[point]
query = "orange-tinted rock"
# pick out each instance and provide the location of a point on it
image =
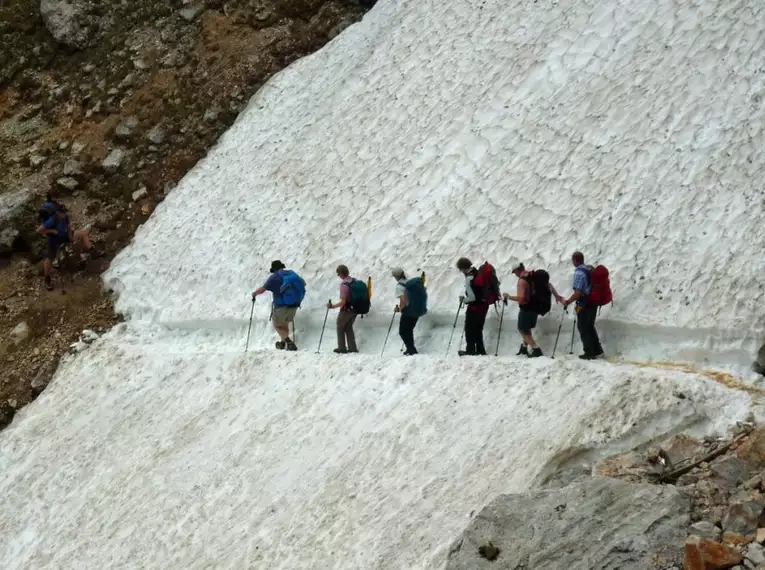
(704, 554)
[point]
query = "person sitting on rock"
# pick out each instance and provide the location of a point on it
(58, 230)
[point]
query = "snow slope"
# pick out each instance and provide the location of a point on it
(494, 129)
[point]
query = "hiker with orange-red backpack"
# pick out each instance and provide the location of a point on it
(481, 291)
(592, 290)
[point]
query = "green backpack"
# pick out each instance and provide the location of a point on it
(416, 298)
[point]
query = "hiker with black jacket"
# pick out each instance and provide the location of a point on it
(532, 295)
(475, 298)
(586, 312)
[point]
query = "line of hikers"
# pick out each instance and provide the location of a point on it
(534, 294)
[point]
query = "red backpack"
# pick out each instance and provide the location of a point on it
(600, 283)
(487, 284)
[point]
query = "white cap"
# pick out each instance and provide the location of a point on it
(397, 272)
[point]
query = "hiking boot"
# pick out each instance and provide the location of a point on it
(465, 353)
(589, 356)
(289, 345)
(535, 352)
(410, 353)
(280, 345)
(353, 351)
(523, 350)
(340, 351)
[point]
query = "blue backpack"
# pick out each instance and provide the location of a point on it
(416, 298)
(292, 291)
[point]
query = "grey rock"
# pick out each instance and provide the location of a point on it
(211, 115)
(730, 472)
(36, 160)
(140, 64)
(637, 526)
(156, 135)
(190, 13)
(67, 183)
(111, 163)
(705, 529)
(44, 375)
(129, 81)
(20, 333)
(72, 167)
(70, 22)
(63, 145)
(140, 193)
(8, 235)
(77, 148)
(89, 68)
(742, 518)
(755, 553)
(122, 132)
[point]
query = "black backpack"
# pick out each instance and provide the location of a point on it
(540, 296)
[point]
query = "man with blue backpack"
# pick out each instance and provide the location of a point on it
(354, 301)
(288, 290)
(412, 304)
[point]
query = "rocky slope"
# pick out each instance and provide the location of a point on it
(107, 105)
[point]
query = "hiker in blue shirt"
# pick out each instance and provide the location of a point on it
(58, 230)
(585, 312)
(288, 290)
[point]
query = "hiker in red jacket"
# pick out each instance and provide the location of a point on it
(477, 298)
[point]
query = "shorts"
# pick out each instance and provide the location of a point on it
(527, 320)
(53, 246)
(284, 315)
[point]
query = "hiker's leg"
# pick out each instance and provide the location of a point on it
(595, 346)
(586, 323)
(281, 322)
(342, 322)
(527, 320)
(528, 340)
(47, 265)
(82, 237)
(470, 331)
(480, 322)
(582, 328)
(351, 336)
(406, 330)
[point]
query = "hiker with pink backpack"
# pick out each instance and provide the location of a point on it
(592, 290)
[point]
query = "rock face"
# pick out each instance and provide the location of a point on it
(70, 22)
(759, 365)
(638, 526)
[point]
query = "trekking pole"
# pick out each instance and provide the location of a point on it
(499, 334)
(454, 326)
(573, 328)
(560, 326)
(388, 333)
(324, 325)
(252, 311)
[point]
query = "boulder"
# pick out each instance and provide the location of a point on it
(8, 236)
(20, 333)
(67, 182)
(112, 162)
(705, 554)
(71, 22)
(156, 135)
(72, 167)
(637, 526)
(753, 449)
(705, 529)
(741, 522)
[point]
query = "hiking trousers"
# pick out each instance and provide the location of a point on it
(585, 322)
(406, 332)
(345, 320)
(474, 321)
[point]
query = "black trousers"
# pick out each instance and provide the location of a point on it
(474, 321)
(585, 322)
(406, 332)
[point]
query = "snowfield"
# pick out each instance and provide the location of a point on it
(493, 129)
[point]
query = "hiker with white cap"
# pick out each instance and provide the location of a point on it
(533, 297)
(412, 304)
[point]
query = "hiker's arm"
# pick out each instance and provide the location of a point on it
(573, 298)
(43, 231)
(258, 291)
(558, 298)
(339, 305)
(520, 296)
(401, 302)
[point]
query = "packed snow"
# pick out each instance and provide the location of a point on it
(431, 130)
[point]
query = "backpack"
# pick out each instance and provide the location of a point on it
(487, 285)
(292, 291)
(600, 286)
(358, 297)
(540, 296)
(416, 298)
(46, 211)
